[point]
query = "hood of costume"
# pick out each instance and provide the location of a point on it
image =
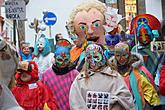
(45, 43)
(30, 68)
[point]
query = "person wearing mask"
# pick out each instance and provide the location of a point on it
(99, 86)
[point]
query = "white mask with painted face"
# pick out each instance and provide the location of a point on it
(41, 44)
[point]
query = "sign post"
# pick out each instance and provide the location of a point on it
(49, 19)
(15, 10)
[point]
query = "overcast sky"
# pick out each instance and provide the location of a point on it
(62, 9)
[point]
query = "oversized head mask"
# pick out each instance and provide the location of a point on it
(87, 21)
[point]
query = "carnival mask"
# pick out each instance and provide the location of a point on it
(94, 56)
(62, 57)
(144, 37)
(122, 53)
(112, 40)
(112, 18)
(89, 25)
(143, 25)
(41, 44)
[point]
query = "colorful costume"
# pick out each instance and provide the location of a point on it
(32, 95)
(162, 83)
(145, 27)
(44, 57)
(138, 79)
(60, 76)
(98, 86)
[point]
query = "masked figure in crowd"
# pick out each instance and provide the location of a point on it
(25, 53)
(30, 93)
(98, 86)
(162, 82)
(43, 56)
(146, 26)
(138, 79)
(60, 76)
(111, 39)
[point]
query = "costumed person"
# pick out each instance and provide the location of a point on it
(58, 37)
(60, 76)
(8, 64)
(98, 86)
(30, 93)
(43, 55)
(86, 25)
(145, 27)
(138, 79)
(25, 53)
(111, 39)
(162, 82)
(113, 29)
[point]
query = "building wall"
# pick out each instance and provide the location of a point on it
(1, 18)
(141, 7)
(154, 7)
(102, 1)
(163, 9)
(1, 24)
(121, 8)
(7, 26)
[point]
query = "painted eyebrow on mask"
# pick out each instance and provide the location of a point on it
(82, 23)
(95, 21)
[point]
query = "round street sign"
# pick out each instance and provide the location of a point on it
(49, 18)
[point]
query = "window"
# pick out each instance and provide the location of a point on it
(130, 11)
(112, 3)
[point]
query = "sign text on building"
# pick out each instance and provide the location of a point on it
(15, 9)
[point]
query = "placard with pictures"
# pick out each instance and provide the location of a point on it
(98, 100)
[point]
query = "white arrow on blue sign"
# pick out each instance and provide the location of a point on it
(49, 18)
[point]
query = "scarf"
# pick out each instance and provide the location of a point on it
(62, 71)
(26, 58)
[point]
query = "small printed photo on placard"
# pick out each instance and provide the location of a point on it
(98, 100)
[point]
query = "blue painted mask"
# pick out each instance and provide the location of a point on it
(62, 56)
(112, 40)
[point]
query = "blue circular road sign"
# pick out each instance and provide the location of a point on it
(49, 18)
